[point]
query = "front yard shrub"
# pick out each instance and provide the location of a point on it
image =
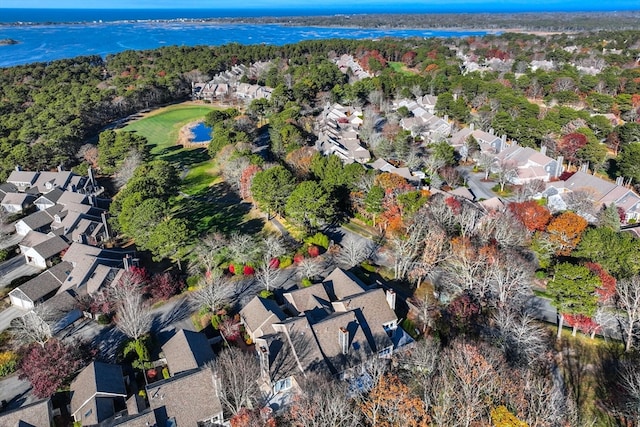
(8, 363)
(367, 267)
(313, 251)
(306, 282)
(165, 373)
(232, 269)
(274, 263)
(247, 270)
(103, 319)
(266, 294)
(285, 261)
(4, 254)
(318, 239)
(297, 258)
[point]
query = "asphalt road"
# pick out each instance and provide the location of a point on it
(481, 189)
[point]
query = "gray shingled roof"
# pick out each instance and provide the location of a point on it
(95, 381)
(188, 397)
(46, 282)
(36, 414)
(51, 247)
(309, 298)
(341, 284)
(261, 313)
(187, 350)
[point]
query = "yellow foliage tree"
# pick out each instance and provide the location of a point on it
(565, 232)
(501, 417)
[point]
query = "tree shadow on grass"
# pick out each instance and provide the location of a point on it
(185, 157)
(219, 208)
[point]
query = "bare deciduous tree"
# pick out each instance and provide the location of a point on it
(506, 171)
(273, 246)
(485, 161)
(127, 168)
(310, 268)
(629, 374)
(266, 275)
(581, 202)
(34, 326)
(529, 189)
(133, 317)
(323, 402)
(521, 338)
(237, 372)
(628, 301)
(353, 251)
(213, 293)
(241, 247)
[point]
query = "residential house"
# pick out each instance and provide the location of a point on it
(384, 166)
(334, 327)
(17, 202)
(489, 143)
(22, 180)
(186, 399)
(38, 221)
(62, 310)
(346, 63)
(338, 134)
(428, 102)
(531, 164)
(422, 122)
(600, 191)
(97, 393)
(259, 315)
(48, 200)
(186, 351)
(48, 181)
(41, 287)
(41, 254)
(36, 414)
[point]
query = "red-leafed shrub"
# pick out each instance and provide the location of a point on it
(232, 269)
(313, 251)
(274, 263)
(247, 270)
(163, 286)
(298, 258)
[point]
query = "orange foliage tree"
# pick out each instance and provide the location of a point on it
(391, 404)
(533, 216)
(246, 179)
(565, 232)
(392, 182)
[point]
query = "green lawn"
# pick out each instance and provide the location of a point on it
(161, 128)
(209, 202)
(399, 67)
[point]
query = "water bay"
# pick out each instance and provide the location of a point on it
(43, 43)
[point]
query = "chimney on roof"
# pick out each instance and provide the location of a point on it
(107, 233)
(91, 178)
(472, 126)
(490, 131)
(543, 150)
(18, 168)
(559, 166)
(620, 181)
(125, 262)
(343, 339)
(391, 299)
(59, 168)
(263, 355)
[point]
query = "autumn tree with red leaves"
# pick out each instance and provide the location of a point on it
(51, 366)
(569, 145)
(532, 215)
(246, 179)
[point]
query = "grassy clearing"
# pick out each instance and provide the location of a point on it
(399, 67)
(199, 178)
(162, 126)
(209, 203)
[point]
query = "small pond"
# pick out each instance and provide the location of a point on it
(201, 133)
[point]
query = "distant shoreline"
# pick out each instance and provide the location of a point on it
(543, 23)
